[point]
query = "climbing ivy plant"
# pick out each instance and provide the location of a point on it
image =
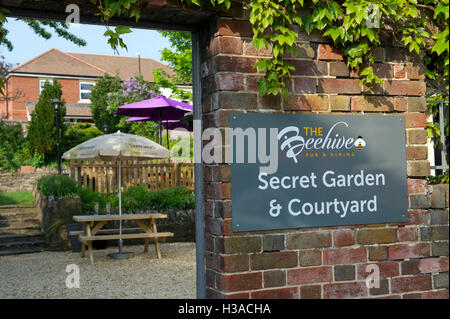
(354, 26)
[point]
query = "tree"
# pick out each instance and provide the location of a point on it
(105, 86)
(42, 129)
(180, 59)
(7, 94)
(78, 133)
(41, 27)
(133, 90)
(12, 151)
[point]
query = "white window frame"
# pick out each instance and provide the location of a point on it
(42, 86)
(84, 91)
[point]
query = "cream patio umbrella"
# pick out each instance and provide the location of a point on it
(118, 146)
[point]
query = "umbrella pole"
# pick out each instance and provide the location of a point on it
(160, 127)
(120, 254)
(167, 132)
(120, 205)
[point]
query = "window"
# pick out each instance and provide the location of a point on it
(85, 90)
(41, 85)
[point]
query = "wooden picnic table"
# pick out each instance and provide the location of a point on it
(92, 230)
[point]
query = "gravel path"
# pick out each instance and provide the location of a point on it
(43, 275)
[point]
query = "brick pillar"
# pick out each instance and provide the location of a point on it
(326, 262)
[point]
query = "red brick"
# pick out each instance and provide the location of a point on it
(251, 82)
(417, 104)
(417, 186)
(232, 100)
(415, 120)
(27, 169)
(305, 85)
(340, 102)
(240, 64)
(328, 52)
(250, 49)
(270, 102)
(400, 87)
(387, 269)
(372, 103)
(338, 69)
(309, 275)
(399, 71)
(308, 67)
(410, 284)
(408, 234)
(416, 152)
(233, 263)
(415, 72)
(410, 267)
(311, 292)
(218, 190)
(418, 217)
(239, 295)
(401, 104)
(214, 226)
(377, 236)
(306, 103)
(230, 45)
(238, 245)
(274, 278)
(344, 256)
(235, 28)
(343, 238)
(418, 168)
(417, 136)
(430, 265)
(347, 86)
(303, 240)
(403, 251)
(239, 282)
(230, 82)
(280, 293)
(344, 290)
(440, 294)
(378, 253)
(311, 257)
(271, 260)
(383, 70)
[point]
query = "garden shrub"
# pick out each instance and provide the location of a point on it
(13, 150)
(58, 186)
(178, 197)
(78, 133)
(89, 198)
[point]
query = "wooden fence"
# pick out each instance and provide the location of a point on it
(103, 176)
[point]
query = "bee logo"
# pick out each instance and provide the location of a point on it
(360, 143)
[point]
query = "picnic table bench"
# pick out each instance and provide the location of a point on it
(92, 230)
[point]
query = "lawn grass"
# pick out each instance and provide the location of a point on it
(16, 198)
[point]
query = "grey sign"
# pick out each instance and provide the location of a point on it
(317, 170)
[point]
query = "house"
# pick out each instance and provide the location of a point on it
(76, 72)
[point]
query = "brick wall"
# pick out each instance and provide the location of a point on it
(327, 262)
(29, 92)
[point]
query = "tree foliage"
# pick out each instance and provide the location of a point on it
(78, 133)
(133, 90)
(12, 152)
(42, 129)
(42, 28)
(179, 57)
(99, 103)
(418, 24)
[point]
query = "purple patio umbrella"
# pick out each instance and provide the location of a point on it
(158, 108)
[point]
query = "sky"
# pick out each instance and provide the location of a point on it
(27, 44)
